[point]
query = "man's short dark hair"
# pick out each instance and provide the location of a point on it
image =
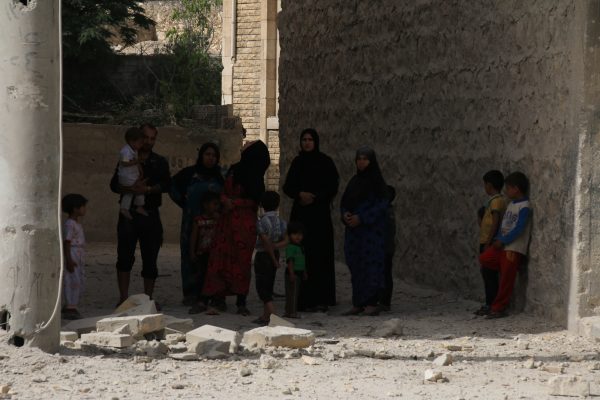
(72, 201)
(148, 125)
(295, 227)
(494, 178)
(210, 196)
(270, 200)
(518, 180)
(132, 134)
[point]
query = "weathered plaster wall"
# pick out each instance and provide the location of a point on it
(444, 92)
(90, 156)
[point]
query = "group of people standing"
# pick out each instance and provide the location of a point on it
(219, 225)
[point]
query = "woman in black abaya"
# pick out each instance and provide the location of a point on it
(312, 182)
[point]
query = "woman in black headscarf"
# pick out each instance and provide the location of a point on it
(364, 206)
(189, 185)
(230, 259)
(312, 182)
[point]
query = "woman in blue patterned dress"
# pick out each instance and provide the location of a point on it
(189, 185)
(363, 207)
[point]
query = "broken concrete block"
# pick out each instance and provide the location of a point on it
(138, 324)
(278, 321)
(107, 339)
(205, 346)
(84, 325)
(279, 336)
(573, 386)
(443, 360)
(123, 329)
(132, 301)
(392, 327)
(178, 325)
(68, 335)
(212, 337)
(142, 309)
(432, 375)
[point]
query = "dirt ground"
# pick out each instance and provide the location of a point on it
(511, 358)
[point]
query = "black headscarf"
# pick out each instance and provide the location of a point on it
(312, 171)
(202, 170)
(183, 178)
(365, 184)
(249, 172)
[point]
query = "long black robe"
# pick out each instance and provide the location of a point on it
(316, 173)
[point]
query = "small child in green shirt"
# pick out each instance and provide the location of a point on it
(296, 268)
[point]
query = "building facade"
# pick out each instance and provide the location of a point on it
(250, 53)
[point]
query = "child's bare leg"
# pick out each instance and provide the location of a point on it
(125, 212)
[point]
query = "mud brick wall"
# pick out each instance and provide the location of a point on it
(444, 91)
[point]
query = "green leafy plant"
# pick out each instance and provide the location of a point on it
(193, 75)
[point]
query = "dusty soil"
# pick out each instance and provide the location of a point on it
(511, 358)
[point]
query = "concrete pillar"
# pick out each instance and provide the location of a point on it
(30, 154)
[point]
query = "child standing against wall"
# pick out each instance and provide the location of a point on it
(509, 248)
(489, 222)
(296, 268)
(203, 232)
(74, 253)
(271, 237)
(129, 171)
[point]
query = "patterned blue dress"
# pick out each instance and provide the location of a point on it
(365, 252)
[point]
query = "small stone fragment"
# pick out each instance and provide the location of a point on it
(529, 364)
(594, 367)
(184, 356)
(244, 371)
(443, 360)
(431, 375)
(553, 369)
(453, 347)
(152, 349)
(178, 348)
(392, 327)
(523, 344)
(178, 386)
(310, 360)
(268, 362)
(287, 391)
(4, 389)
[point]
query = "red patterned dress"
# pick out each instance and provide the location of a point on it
(229, 266)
